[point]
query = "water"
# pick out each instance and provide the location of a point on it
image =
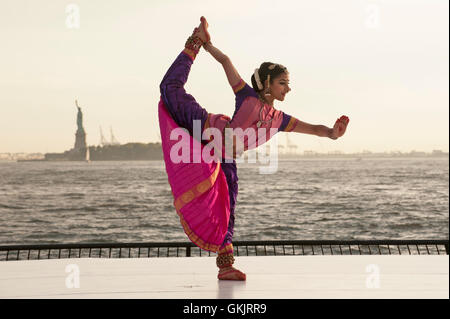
(384, 198)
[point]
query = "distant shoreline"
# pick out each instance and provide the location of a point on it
(153, 151)
(356, 157)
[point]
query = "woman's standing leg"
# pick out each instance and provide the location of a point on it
(225, 258)
(230, 171)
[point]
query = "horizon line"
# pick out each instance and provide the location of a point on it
(333, 152)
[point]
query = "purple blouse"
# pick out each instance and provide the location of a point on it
(247, 115)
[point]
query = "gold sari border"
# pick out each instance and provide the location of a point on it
(187, 197)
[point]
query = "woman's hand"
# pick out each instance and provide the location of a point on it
(339, 127)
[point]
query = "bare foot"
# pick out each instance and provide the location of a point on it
(202, 32)
(231, 273)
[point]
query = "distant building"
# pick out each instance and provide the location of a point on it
(107, 151)
(416, 153)
(335, 153)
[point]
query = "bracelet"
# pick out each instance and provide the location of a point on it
(193, 43)
(331, 135)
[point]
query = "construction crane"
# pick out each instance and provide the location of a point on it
(114, 141)
(291, 147)
(104, 141)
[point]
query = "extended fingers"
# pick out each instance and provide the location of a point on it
(344, 119)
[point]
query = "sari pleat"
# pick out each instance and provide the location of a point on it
(200, 190)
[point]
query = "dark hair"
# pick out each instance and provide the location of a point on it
(264, 70)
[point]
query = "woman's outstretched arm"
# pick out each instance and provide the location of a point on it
(318, 130)
(337, 131)
(232, 74)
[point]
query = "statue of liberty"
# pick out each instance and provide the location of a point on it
(79, 117)
(80, 135)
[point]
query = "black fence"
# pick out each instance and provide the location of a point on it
(241, 248)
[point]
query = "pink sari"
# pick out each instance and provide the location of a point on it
(200, 190)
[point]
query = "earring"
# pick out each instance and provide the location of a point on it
(267, 93)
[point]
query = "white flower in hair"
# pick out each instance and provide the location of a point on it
(273, 66)
(258, 80)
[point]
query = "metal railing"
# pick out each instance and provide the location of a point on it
(241, 248)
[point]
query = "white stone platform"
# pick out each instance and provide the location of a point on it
(271, 277)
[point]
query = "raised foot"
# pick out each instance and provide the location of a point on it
(231, 273)
(202, 30)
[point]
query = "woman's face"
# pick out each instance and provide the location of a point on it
(280, 86)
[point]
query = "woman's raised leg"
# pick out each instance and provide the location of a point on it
(182, 106)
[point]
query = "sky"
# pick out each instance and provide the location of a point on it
(384, 64)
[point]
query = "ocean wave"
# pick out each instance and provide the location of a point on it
(409, 226)
(73, 195)
(11, 206)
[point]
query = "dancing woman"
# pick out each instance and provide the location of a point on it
(205, 192)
